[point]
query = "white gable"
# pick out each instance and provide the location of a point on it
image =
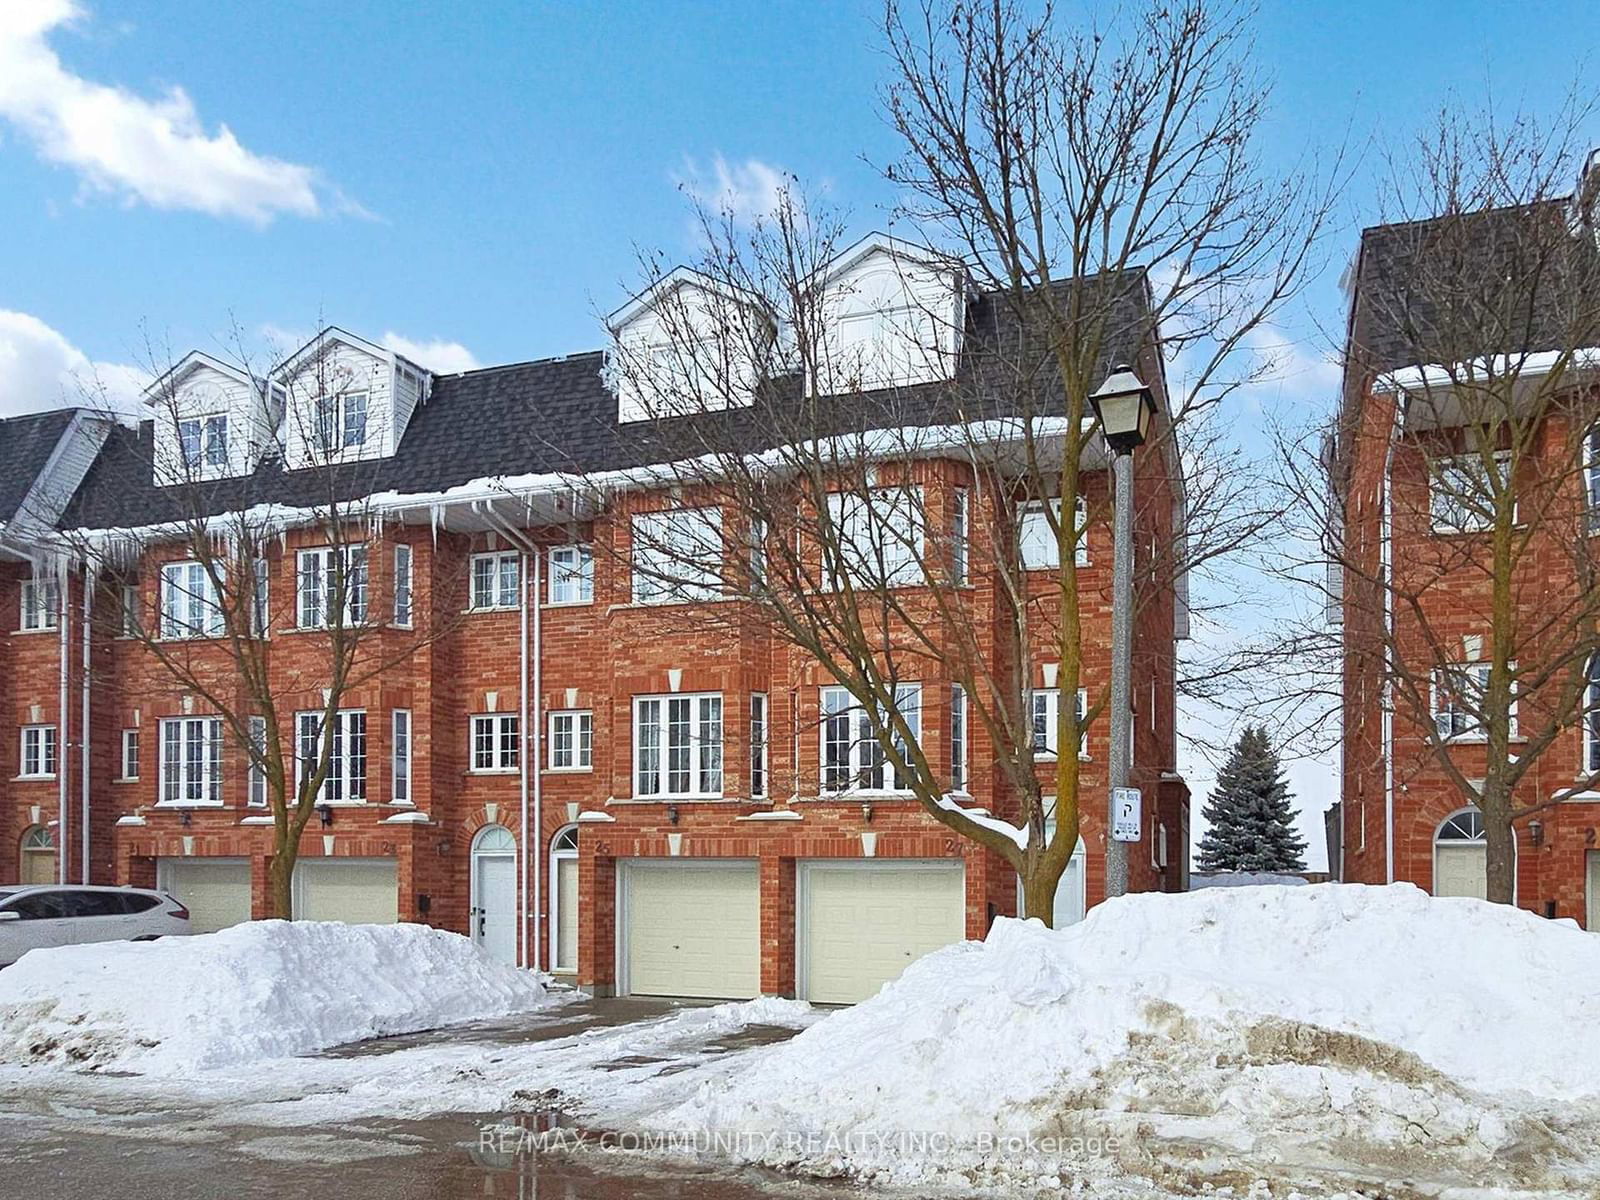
(212, 420)
(892, 315)
(346, 399)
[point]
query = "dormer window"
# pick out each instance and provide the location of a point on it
(341, 422)
(345, 399)
(203, 441)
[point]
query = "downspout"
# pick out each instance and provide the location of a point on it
(535, 730)
(1386, 547)
(62, 613)
(523, 759)
(83, 782)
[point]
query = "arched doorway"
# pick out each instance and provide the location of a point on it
(564, 901)
(38, 857)
(1461, 856)
(494, 893)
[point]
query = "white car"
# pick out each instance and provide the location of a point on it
(70, 914)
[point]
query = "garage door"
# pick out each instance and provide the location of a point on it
(861, 924)
(1592, 913)
(360, 891)
(691, 929)
(1461, 870)
(216, 891)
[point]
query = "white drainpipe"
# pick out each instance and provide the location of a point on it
(62, 612)
(83, 735)
(1386, 546)
(534, 832)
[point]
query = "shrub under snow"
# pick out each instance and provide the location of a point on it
(261, 990)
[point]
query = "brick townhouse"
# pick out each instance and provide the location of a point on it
(495, 782)
(1401, 456)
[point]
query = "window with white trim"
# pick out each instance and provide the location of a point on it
(402, 585)
(346, 780)
(1591, 474)
(261, 612)
(38, 752)
(255, 776)
(571, 574)
(191, 760)
(128, 761)
(1040, 551)
(400, 744)
(572, 740)
(758, 550)
(1046, 714)
(323, 576)
(41, 602)
(496, 580)
(1459, 695)
(677, 555)
(128, 621)
(960, 540)
(852, 758)
(189, 604)
(677, 746)
(958, 738)
(495, 742)
(880, 535)
(1461, 491)
(203, 442)
(758, 745)
(340, 423)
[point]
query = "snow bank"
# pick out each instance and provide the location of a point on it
(1177, 1038)
(265, 989)
(1215, 879)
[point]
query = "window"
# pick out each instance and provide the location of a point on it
(496, 580)
(129, 765)
(41, 601)
(341, 422)
(203, 441)
(38, 752)
(346, 781)
(402, 585)
(1591, 474)
(322, 576)
(758, 550)
(571, 741)
(260, 602)
(852, 758)
(255, 777)
(677, 745)
(879, 534)
(1461, 492)
(400, 723)
(191, 760)
(1459, 698)
(494, 742)
(571, 575)
(1040, 551)
(958, 738)
(677, 556)
(128, 624)
(1046, 714)
(189, 607)
(960, 540)
(758, 744)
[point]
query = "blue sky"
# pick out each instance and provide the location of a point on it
(473, 181)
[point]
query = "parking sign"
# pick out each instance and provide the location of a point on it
(1126, 808)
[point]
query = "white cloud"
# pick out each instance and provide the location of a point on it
(745, 191)
(444, 357)
(40, 369)
(155, 151)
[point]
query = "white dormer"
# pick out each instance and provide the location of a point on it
(212, 420)
(688, 344)
(892, 315)
(345, 399)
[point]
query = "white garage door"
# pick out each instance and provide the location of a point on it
(861, 924)
(1592, 911)
(1461, 870)
(216, 891)
(360, 891)
(691, 929)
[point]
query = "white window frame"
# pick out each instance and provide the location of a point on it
(261, 616)
(667, 749)
(190, 607)
(400, 757)
(881, 535)
(192, 778)
(502, 594)
(571, 739)
(348, 776)
(846, 730)
(1037, 549)
(254, 777)
(1460, 720)
(961, 540)
(959, 735)
(1446, 513)
(40, 604)
(503, 745)
(314, 585)
(330, 424)
(38, 743)
(760, 746)
(128, 623)
(205, 458)
(1044, 716)
(662, 542)
(404, 581)
(571, 572)
(1591, 476)
(128, 757)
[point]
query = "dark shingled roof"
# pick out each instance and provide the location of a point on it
(558, 415)
(26, 444)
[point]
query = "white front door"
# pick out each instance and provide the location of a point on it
(1461, 869)
(494, 925)
(1071, 894)
(566, 958)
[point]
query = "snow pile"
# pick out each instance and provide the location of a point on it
(1316, 1032)
(265, 989)
(1215, 879)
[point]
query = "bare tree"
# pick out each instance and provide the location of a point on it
(1455, 493)
(192, 587)
(1100, 188)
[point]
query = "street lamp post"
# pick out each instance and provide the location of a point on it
(1124, 406)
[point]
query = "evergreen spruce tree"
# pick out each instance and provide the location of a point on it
(1251, 822)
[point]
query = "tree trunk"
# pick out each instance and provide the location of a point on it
(1039, 894)
(1501, 858)
(280, 878)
